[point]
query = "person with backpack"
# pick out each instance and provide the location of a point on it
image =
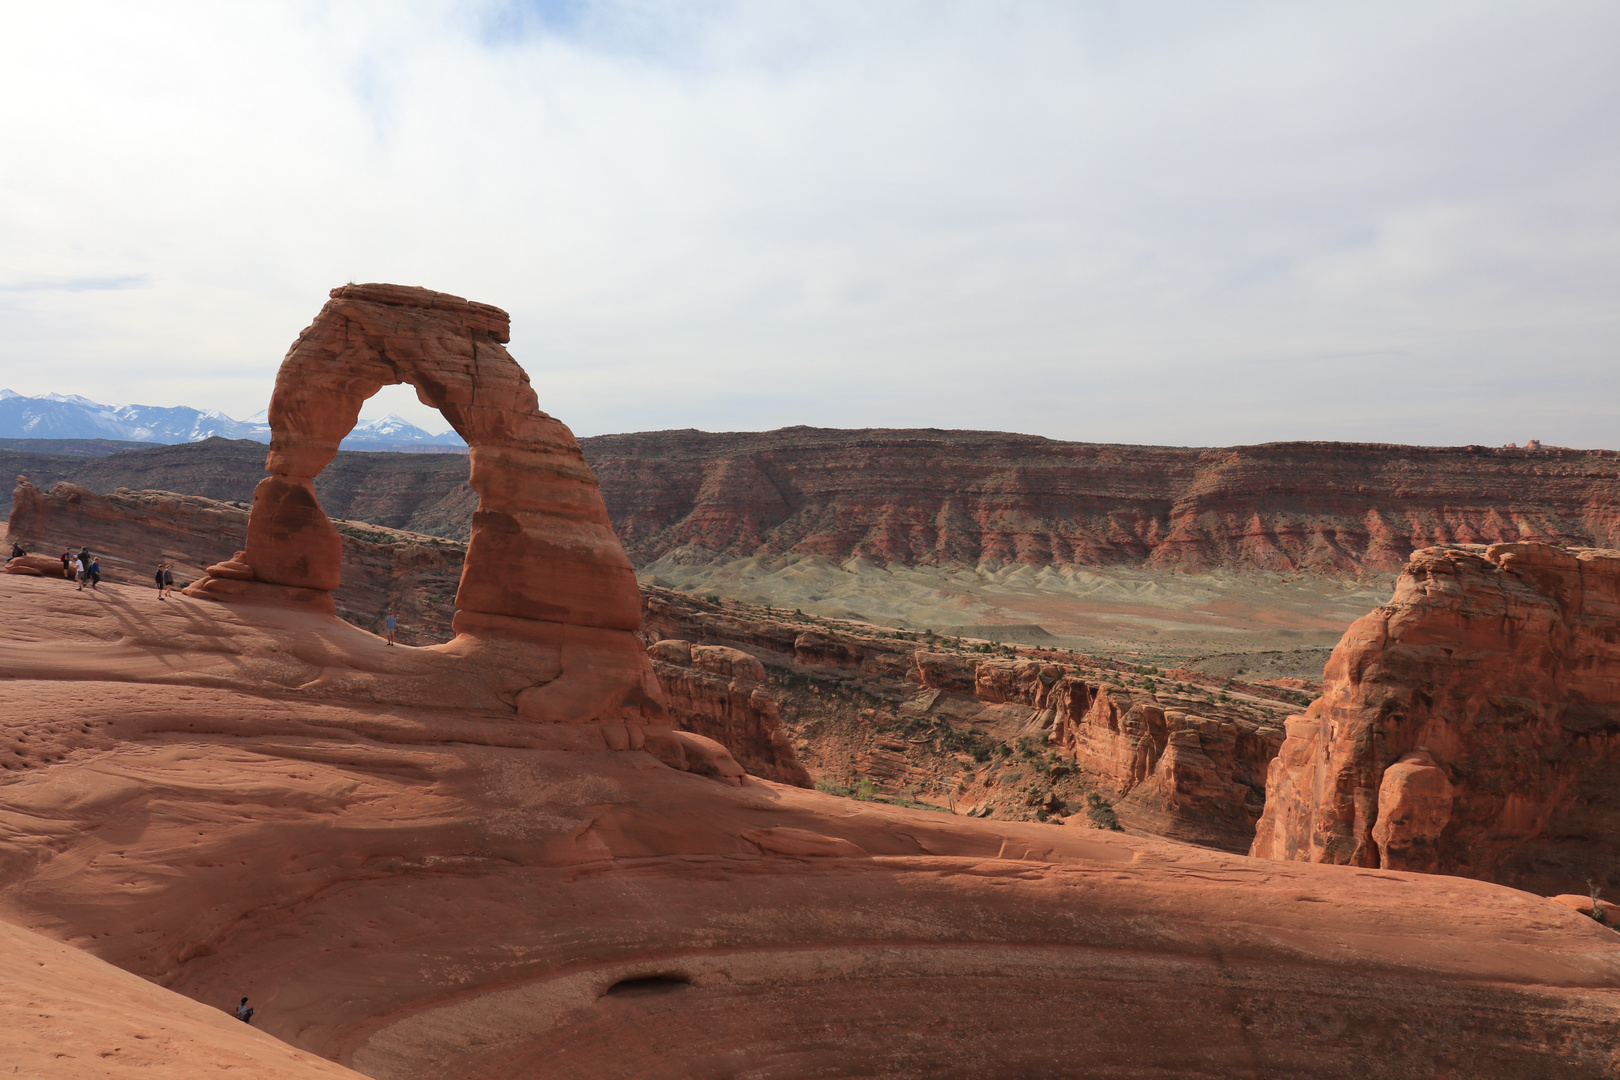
(67, 565)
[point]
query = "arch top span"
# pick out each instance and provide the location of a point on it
(542, 554)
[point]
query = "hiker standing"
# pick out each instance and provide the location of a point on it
(158, 579)
(78, 572)
(389, 623)
(167, 585)
(67, 564)
(94, 574)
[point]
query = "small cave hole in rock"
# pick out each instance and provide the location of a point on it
(648, 985)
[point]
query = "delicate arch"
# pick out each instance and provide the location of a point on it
(542, 546)
(543, 565)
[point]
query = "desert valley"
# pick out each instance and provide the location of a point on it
(800, 753)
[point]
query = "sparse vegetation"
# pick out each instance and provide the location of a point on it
(1101, 811)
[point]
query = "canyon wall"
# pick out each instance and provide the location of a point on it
(720, 693)
(1471, 726)
(1006, 732)
(928, 496)
(962, 497)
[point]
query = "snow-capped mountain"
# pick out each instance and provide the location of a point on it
(69, 416)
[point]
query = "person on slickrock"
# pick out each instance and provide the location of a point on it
(158, 579)
(243, 1013)
(94, 574)
(389, 623)
(67, 565)
(79, 571)
(17, 551)
(168, 581)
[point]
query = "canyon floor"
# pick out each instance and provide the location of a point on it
(1219, 622)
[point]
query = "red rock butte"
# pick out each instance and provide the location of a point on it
(1470, 726)
(490, 859)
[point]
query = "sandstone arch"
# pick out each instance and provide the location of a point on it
(543, 564)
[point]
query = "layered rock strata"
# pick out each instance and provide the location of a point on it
(1471, 726)
(968, 498)
(1182, 764)
(720, 692)
(131, 532)
(973, 497)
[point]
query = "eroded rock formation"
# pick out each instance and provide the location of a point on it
(961, 497)
(542, 566)
(132, 531)
(233, 799)
(1471, 726)
(964, 497)
(1183, 765)
(720, 692)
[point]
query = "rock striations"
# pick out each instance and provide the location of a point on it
(965, 497)
(1471, 726)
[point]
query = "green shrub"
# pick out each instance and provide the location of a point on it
(1101, 811)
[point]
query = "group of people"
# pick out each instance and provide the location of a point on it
(83, 568)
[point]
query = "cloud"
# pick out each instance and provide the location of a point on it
(1147, 222)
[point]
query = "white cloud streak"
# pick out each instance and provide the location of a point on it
(1171, 223)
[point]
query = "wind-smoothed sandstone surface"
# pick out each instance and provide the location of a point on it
(1470, 726)
(411, 879)
(131, 532)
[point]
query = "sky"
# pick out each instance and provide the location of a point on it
(1176, 223)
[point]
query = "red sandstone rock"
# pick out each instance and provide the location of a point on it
(68, 1016)
(542, 566)
(1502, 667)
(718, 692)
(234, 799)
(132, 531)
(542, 547)
(35, 565)
(1414, 807)
(963, 497)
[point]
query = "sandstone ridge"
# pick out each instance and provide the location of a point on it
(1470, 726)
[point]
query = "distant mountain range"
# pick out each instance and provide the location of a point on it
(69, 416)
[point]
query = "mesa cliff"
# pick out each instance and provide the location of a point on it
(966, 497)
(1471, 726)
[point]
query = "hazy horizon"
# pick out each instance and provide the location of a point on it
(1154, 224)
